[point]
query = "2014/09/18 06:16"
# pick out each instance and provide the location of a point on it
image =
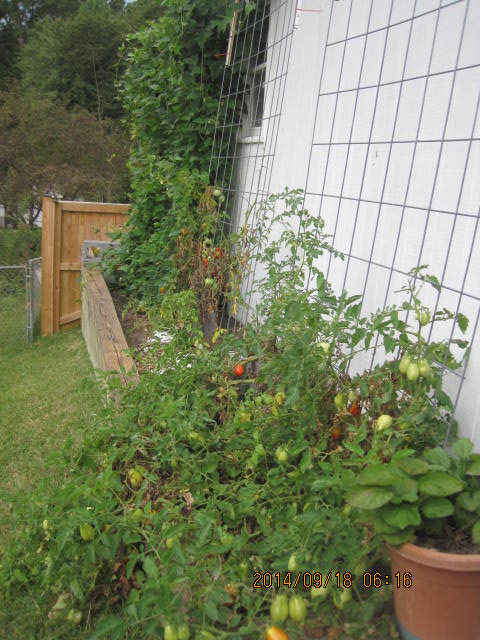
(307, 579)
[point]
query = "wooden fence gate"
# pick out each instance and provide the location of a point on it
(64, 228)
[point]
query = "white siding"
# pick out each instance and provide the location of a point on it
(379, 123)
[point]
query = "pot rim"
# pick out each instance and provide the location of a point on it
(469, 562)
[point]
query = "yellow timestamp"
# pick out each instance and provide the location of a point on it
(377, 580)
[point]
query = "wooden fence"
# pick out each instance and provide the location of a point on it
(65, 225)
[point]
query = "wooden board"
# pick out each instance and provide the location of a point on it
(101, 329)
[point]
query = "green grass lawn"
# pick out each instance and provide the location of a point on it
(48, 402)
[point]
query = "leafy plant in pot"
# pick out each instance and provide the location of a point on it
(427, 508)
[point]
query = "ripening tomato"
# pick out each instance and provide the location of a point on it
(279, 608)
(297, 609)
(218, 253)
(336, 433)
(162, 290)
(274, 633)
(355, 409)
(239, 370)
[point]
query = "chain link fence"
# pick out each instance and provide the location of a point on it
(13, 307)
(34, 297)
(20, 304)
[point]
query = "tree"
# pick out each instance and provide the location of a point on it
(48, 149)
(75, 60)
(16, 19)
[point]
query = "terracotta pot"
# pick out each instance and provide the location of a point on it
(444, 600)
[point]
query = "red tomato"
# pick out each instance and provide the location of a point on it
(205, 262)
(218, 253)
(239, 370)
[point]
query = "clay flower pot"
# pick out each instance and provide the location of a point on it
(443, 602)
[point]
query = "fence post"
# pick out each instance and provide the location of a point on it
(48, 264)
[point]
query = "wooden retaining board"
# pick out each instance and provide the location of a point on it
(102, 330)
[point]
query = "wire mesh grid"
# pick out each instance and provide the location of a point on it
(250, 107)
(394, 144)
(398, 132)
(12, 307)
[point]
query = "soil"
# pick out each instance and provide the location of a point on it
(454, 541)
(136, 327)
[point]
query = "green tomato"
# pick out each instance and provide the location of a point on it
(260, 449)
(243, 570)
(352, 395)
(169, 632)
(135, 478)
(170, 542)
(384, 422)
(292, 563)
(279, 608)
(208, 283)
(339, 401)
(297, 609)
(423, 317)
(424, 368)
(281, 454)
(217, 193)
(137, 514)
(87, 532)
(341, 597)
(183, 632)
(347, 510)
(227, 539)
(319, 592)
(360, 568)
(404, 364)
(325, 346)
(413, 372)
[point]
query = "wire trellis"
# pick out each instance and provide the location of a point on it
(394, 148)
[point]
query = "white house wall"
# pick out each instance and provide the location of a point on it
(379, 124)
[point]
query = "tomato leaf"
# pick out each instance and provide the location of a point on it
(110, 628)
